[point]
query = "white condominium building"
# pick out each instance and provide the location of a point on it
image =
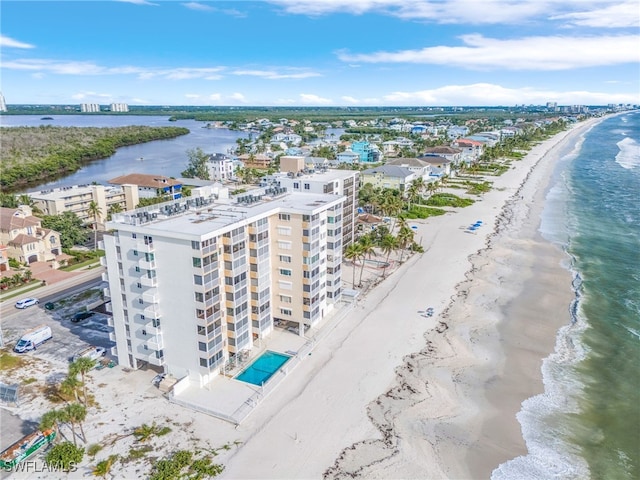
(89, 107)
(296, 178)
(119, 107)
(3, 105)
(196, 281)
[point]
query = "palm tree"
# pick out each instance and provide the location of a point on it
(366, 249)
(96, 212)
(70, 386)
(352, 253)
(82, 366)
(115, 208)
(52, 419)
(103, 468)
(405, 237)
(388, 243)
(75, 415)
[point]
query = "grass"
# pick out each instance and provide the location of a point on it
(9, 362)
(28, 381)
(417, 211)
(478, 188)
(77, 266)
(448, 200)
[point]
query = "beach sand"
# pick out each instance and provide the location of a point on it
(388, 392)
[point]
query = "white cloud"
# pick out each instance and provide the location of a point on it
(8, 42)
(273, 75)
(198, 6)
(138, 2)
(238, 97)
(618, 15)
(91, 95)
(486, 94)
(530, 53)
(439, 11)
(349, 99)
(89, 68)
(311, 99)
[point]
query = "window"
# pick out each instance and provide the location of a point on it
(284, 230)
(284, 245)
(296, 185)
(195, 245)
(135, 253)
(285, 258)
(285, 271)
(307, 186)
(197, 279)
(284, 216)
(285, 285)
(285, 311)
(133, 235)
(285, 298)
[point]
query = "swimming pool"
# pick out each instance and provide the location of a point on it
(263, 368)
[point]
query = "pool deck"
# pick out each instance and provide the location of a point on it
(233, 400)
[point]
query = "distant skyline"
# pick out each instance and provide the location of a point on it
(321, 52)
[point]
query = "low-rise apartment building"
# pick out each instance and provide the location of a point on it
(195, 282)
(77, 198)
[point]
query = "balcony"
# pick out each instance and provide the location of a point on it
(106, 292)
(147, 264)
(112, 336)
(101, 245)
(144, 247)
(110, 322)
(155, 342)
(152, 311)
(105, 277)
(149, 282)
(103, 261)
(150, 329)
(108, 307)
(151, 296)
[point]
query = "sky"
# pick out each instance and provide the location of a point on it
(321, 52)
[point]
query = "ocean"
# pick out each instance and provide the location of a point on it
(586, 424)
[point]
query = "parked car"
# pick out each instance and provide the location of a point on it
(82, 316)
(94, 353)
(27, 302)
(33, 338)
(49, 305)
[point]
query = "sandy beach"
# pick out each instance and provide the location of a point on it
(388, 392)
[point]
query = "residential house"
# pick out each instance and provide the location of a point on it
(348, 156)
(151, 186)
(288, 138)
(471, 149)
(26, 239)
(450, 153)
(419, 167)
(221, 167)
(440, 166)
(259, 161)
(368, 152)
(387, 176)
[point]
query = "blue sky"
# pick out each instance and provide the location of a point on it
(321, 52)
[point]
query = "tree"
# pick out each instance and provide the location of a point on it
(96, 212)
(115, 208)
(76, 414)
(72, 231)
(82, 366)
(65, 456)
(366, 249)
(70, 386)
(352, 253)
(51, 419)
(197, 166)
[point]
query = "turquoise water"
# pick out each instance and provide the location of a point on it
(263, 368)
(587, 423)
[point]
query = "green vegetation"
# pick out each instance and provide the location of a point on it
(93, 449)
(138, 453)
(478, 188)
(32, 155)
(418, 211)
(197, 166)
(447, 200)
(65, 456)
(9, 361)
(182, 464)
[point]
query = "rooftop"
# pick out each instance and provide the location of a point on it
(144, 180)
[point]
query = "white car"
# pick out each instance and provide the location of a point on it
(27, 302)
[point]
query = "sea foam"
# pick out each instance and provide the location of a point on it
(629, 155)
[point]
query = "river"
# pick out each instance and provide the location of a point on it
(162, 157)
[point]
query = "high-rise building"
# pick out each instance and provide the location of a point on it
(296, 178)
(3, 105)
(195, 282)
(119, 107)
(89, 107)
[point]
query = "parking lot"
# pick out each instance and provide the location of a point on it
(67, 337)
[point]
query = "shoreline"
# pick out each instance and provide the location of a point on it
(452, 411)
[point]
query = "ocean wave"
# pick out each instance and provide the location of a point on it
(629, 155)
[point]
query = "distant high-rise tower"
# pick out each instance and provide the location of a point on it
(119, 107)
(3, 106)
(90, 108)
